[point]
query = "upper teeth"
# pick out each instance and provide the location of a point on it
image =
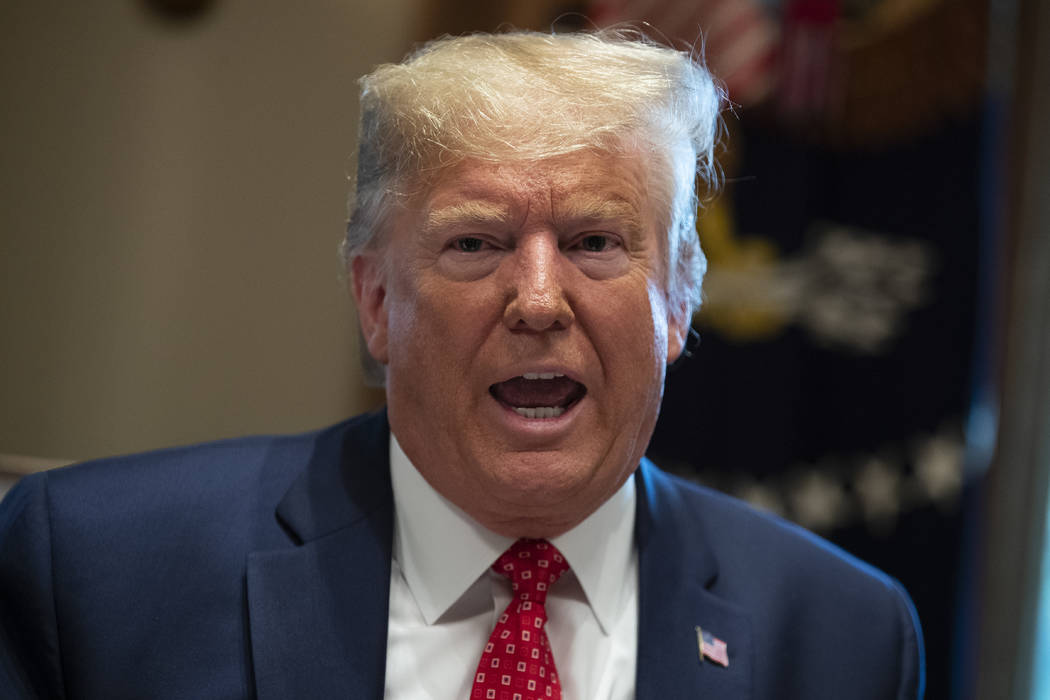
(542, 375)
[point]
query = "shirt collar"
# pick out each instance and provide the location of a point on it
(442, 551)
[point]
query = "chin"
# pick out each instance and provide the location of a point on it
(539, 478)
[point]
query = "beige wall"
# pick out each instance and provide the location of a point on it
(171, 200)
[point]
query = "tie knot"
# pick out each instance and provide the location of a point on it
(532, 566)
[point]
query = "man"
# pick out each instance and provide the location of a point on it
(525, 265)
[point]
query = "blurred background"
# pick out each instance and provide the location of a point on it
(873, 358)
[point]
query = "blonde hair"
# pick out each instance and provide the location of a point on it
(526, 96)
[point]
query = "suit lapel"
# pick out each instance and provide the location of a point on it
(677, 572)
(318, 609)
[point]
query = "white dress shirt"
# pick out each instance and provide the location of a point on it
(444, 597)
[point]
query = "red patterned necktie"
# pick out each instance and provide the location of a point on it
(517, 662)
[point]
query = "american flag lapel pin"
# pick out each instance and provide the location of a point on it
(712, 648)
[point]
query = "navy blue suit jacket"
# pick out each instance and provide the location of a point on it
(261, 567)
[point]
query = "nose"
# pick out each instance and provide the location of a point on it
(537, 300)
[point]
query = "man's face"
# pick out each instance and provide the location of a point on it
(520, 310)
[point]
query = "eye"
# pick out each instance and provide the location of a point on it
(594, 243)
(468, 244)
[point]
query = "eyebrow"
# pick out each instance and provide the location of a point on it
(598, 209)
(573, 210)
(471, 212)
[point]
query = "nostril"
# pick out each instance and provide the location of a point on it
(539, 314)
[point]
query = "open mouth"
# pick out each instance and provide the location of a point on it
(538, 394)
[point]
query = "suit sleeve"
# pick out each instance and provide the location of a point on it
(30, 658)
(911, 648)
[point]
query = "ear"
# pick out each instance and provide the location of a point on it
(369, 288)
(678, 321)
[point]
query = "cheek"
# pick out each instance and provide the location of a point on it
(633, 343)
(658, 319)
(437, 325)
(642, 314)
(644, 348)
